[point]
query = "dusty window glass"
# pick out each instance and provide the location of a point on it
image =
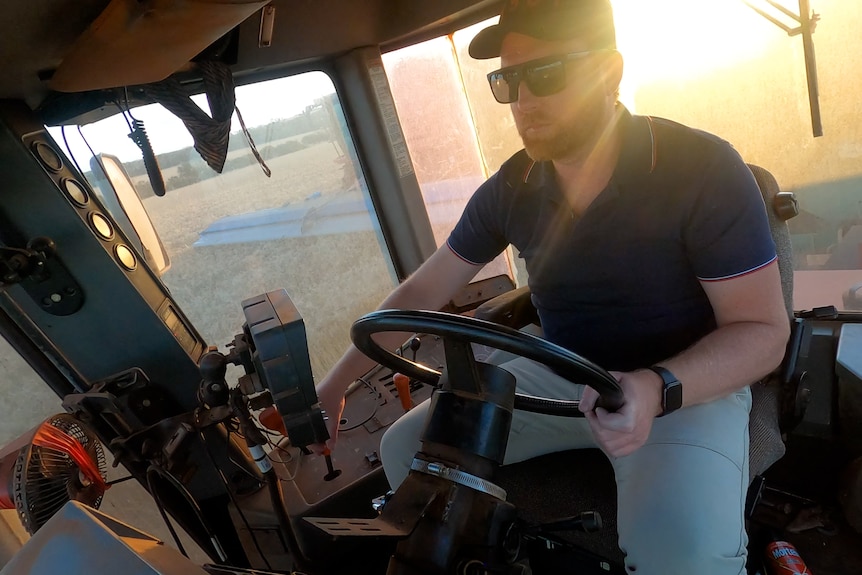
(495, 127)
(26, 398)
(427, 89)
(309, 228)
(752, 91)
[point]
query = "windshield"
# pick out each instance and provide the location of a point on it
(308, 228)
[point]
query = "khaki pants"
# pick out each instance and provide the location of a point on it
(680, 496)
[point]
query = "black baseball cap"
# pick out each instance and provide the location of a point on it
(592, 20)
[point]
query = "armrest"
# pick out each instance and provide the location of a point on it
(513, 309)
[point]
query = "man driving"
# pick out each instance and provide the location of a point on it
(648, 251)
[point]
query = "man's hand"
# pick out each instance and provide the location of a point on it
(331, 398)
(430, 287)
(623, 432)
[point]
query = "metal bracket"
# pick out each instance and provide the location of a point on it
(16, 264)
(42, 275)
(376, 527)
(398, 520)
(807, 22)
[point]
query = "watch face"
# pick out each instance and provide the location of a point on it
(672, 393)
(672, 396)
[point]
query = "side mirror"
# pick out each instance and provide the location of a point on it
(120, 197)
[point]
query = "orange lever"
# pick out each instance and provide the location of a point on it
(402, 384)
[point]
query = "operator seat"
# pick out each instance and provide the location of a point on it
(561, 484)
(764, 423)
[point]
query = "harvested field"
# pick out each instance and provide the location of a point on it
(332, 279)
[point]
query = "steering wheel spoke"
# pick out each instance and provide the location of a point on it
(461, 370)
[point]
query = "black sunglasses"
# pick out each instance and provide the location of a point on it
(544, 77)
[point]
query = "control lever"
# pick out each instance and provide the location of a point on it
(331, 472)
(402, 385)
(415, 344)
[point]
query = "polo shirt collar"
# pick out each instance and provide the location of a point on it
(637, 158)
(638, 155)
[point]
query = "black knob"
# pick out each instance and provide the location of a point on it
(415, 344)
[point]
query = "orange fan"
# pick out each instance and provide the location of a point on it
(59, 461)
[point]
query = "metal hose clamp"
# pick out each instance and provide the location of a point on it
(459, 477)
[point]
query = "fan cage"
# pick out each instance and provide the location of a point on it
(46, 478)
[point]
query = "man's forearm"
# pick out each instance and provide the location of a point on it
(409, 295)
(353, 364)
(728, 359)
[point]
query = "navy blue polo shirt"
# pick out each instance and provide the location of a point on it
(620, 285)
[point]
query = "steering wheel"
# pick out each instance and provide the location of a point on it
(467, 330)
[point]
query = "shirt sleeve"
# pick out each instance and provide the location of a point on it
(727, 234)
(479, 236)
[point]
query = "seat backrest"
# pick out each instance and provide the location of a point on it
(780, 232)
(767, 446)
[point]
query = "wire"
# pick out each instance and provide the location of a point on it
(155, 494)
(93, 154)
(181, 489)
(126, 101)
(232, 426)
(123, 112)
(291, 476)
(280, 448)
(269, 432)
(120, 480)
(252, 145)
(68, 149)
(373, 413)
(234, 500)
(83, 137)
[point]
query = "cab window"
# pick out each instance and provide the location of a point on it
(309, 228)
(750, 90)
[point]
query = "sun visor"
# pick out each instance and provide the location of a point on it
(139, 42)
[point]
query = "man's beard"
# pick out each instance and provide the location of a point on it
(572, 137)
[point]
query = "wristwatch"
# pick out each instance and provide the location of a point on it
(671, 393)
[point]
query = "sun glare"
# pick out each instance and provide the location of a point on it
(671, 40)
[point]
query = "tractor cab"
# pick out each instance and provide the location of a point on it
(200, 199)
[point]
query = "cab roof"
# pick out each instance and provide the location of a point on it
(66, 50)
